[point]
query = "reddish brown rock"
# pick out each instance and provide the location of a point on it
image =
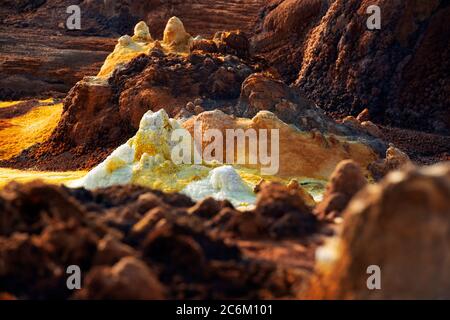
(128, 279)
(285, 207)
(346, 180)
(282, 30)
(395, 159)
(206, 208)
(169, 253)
(363, 115)
(347, 67)
(28, 208)
(111, 250)
(248, 225)
(401, 225)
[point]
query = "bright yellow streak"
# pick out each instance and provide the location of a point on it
(36, 126)
(8, 175)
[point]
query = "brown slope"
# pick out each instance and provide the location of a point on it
(400, 73)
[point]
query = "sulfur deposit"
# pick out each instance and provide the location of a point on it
(176, 40)
(147, 158)
(25, 123)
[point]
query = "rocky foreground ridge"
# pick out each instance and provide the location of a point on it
(137, 243)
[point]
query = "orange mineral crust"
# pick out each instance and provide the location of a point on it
(301, 154)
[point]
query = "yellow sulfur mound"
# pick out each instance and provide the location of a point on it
(35, 126)
(176, 40)
(142, 33)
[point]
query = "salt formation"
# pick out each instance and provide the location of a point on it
(146, 160)
(225, 183)
(125, 50)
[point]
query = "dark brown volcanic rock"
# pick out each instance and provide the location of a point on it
(347, 67)
(130, 278)
(171, 82)
(282, 30)
(401, 225)
(135, 243)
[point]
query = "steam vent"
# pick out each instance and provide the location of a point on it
(225, 150)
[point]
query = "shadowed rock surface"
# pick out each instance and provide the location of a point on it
(347, 179)
(137, 243)
(400, 73)
(401, 225)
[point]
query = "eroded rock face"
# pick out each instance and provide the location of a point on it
(400, 73)
(281, 33)
(375, 63)
(401, 225)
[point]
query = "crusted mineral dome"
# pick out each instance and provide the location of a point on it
(402, 226)
(316, 154)
(223, 170)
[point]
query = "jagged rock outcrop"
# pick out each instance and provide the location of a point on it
(401, 225)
